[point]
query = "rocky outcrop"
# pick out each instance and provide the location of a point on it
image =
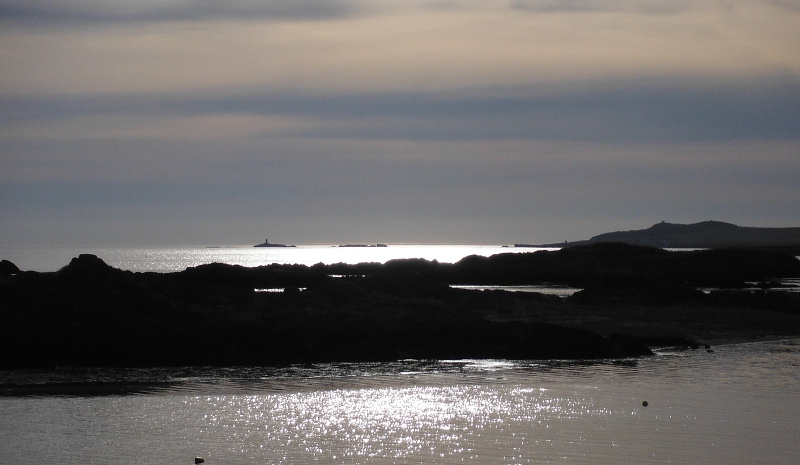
(91, 314)
(7, 268)
(267, 243)
(706, 234)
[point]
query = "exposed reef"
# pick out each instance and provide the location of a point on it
(90, 314)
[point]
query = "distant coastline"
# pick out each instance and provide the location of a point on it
(702, 235)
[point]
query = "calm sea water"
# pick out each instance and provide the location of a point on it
(737, 405)
(179, 258)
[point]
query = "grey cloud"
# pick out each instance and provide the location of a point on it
(327, 188)
(791, 6)
(638, 6)
(83, 11)
(77, 11)
(624, 111)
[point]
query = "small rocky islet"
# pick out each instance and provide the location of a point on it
(268, 244)
(632, 299)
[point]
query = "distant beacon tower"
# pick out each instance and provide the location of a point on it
(266, 241)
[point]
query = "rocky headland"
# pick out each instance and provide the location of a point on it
(632, 299)
(706, 234)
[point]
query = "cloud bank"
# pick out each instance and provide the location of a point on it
(104, 11)
(405, 121)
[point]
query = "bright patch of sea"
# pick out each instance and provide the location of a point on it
(735, 405)
(164, 260)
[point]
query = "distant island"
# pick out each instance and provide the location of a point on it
(363, 245)
(266, 243)
(706, 234)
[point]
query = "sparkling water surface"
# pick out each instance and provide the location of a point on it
(735, 405)
(179, 258)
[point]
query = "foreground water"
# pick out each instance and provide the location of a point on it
(735, 405)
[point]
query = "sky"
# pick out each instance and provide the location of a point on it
(202, 122)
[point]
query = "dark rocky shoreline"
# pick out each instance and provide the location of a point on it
(633, 298)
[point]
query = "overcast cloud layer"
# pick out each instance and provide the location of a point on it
(205, 122)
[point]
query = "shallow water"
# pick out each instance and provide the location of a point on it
(736, 405)
(547, 289)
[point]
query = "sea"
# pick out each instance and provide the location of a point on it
(171, 259)
(727, 404)
(731, 404)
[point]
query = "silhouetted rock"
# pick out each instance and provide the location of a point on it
(782, 302)
(87, 265)
(334, 292)
(91, 314)
(266, 243)
(7, 268)
(637, 291)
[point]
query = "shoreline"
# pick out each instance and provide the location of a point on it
(750, 339)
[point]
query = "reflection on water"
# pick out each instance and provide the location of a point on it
(179, 258)
(736, 405)
(775, 285)
(554, 289)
